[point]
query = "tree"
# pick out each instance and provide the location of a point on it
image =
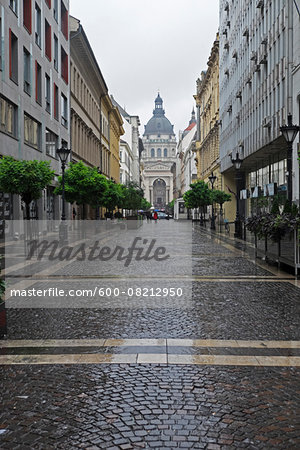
(113, 196)
(133, 196)
(145, 204)
(25, 178)
(198, 196)
(220, 197)
(83, 185)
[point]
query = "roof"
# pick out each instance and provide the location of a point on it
(159, 124)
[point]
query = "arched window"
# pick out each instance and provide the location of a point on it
(152, 153)
(159, 152)
(165, 152)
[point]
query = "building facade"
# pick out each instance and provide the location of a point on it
(131, 137)
(96, 123)
(257, 59)
(126, 162)
(186, 168)
(296, 95)
(34, 91)
(88, 88)
(116, 130)
(158, 157)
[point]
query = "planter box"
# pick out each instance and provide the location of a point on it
(133, 223)
(286, 251)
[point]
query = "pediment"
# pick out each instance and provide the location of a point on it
(157, 166)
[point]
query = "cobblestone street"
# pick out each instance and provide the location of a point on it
(215, 366)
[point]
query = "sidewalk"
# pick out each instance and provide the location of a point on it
(216, 366)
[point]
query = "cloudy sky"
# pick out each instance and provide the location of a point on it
(145, 45)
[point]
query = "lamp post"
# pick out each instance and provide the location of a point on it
(289, 133)
(63, 154)
(237, 162)
(212, 178)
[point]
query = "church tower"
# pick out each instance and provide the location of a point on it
(159, 157)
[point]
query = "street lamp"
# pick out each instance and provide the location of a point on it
(63, 154)
(212, 178)
(237, 162)
(289, 133)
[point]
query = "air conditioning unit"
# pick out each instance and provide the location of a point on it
(264, 40)
(246, 32)
(234, 54)
(260, 4)
(262, 54)
(266, 122)
(253, 56)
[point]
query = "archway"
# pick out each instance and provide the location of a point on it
(159, 193)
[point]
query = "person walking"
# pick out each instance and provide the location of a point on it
(155, 216)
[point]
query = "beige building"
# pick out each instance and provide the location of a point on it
(96, 125)
(116, 130)
(88, 89)
(207, 144)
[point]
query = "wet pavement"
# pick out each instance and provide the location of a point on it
(215, 366)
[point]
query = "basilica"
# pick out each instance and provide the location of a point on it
(159, 157)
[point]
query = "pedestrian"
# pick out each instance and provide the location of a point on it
(74, 214)
(155, 216)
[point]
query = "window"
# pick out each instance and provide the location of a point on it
(27, 78)
(64, 20)
(38, 25)
(51, 143)
(152, 153)
(8, 117)
(165, 152)
(55, 53)
(64, 110)
(27, 15)
(121, 156)
(38, 83)
(31, 132)
(48, 3)
(64, 65)
(13, 57)
(47, 40)
(55, 102)
(14, 5)
(47, 93)
(159, 152)
(55, 10)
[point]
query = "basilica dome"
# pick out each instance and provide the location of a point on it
(159, 124)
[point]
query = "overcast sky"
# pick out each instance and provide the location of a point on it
(145, 45)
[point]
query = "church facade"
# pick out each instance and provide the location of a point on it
(159, 157)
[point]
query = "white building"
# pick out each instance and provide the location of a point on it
(186, 167)
(257, 58)
(131, 137)
(158, 157)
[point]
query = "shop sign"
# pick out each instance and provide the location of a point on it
(270, 189)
